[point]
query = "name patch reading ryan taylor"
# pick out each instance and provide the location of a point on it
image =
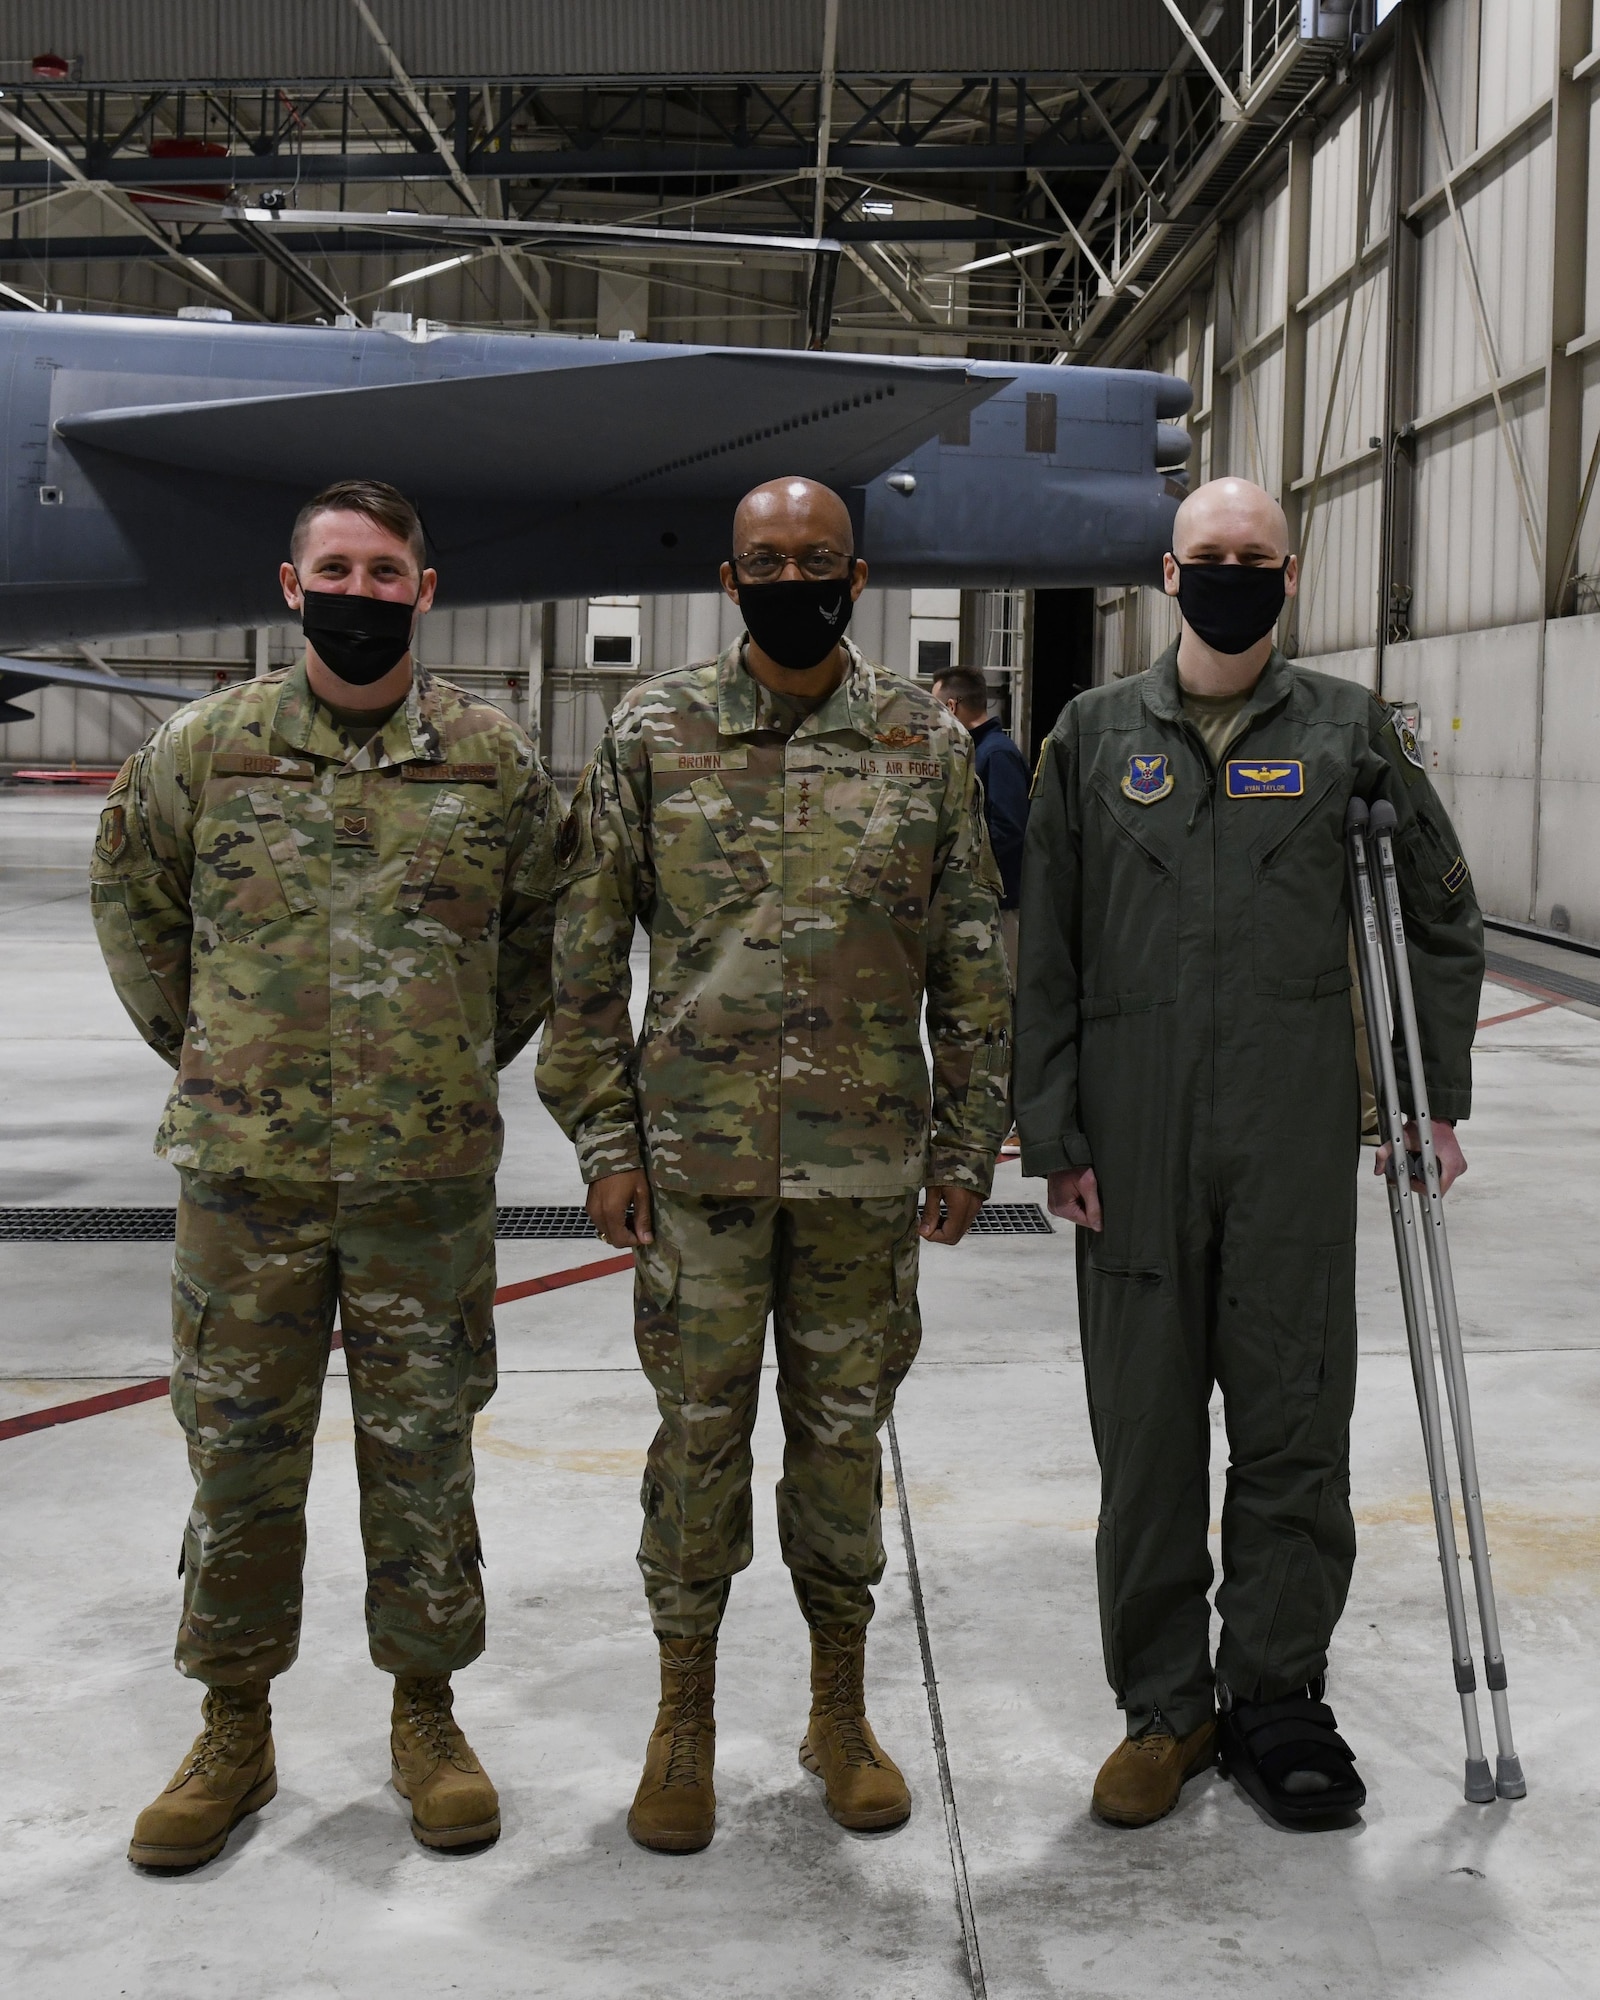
(1282, 779)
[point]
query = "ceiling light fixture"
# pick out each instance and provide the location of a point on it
(432, 270)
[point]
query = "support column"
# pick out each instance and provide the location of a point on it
(1297, 282)
(1400, 359)
(1563, 401)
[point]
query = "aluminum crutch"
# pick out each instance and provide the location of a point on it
(1509, 1781)
(1479, 1785)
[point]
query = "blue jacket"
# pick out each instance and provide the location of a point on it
(1003, 773)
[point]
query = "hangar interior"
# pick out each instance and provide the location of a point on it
(1361, 235)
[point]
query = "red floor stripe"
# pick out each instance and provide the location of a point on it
(606, 1267)
(1520, 1013)
(147, 1392)
(90, 1406)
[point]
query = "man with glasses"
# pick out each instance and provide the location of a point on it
(801, 835)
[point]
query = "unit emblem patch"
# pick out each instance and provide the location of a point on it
(1148, 779)
(1256, 778)
(1406, 737)
(113, 834)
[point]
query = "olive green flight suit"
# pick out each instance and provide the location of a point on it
(1183, 1026)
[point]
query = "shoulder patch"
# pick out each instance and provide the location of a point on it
(451, 774)
(1456, 876)
(112, 836)
(124, 778)
(1406, 737)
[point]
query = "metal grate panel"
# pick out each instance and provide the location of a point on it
(1012, 1218)
(545, 1223)
(523, 1225)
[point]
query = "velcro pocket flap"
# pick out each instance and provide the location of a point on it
(430, 851)
(877, 843)
(733, 841)
(277, 836)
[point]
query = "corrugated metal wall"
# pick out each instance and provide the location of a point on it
(123, 41)
(1484, 499)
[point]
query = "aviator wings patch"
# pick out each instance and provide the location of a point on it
(1266, 778)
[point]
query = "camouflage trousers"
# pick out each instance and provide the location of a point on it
(838, 1277)
(261, 1266)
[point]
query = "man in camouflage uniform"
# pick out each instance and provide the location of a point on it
(800, 834)
(327, 902)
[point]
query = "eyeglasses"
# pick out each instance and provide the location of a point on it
(820, 564)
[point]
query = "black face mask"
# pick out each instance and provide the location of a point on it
(798, 624)
(358, 638)
(1231, 605)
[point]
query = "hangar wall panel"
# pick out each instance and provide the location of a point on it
(1474, 600)
(1477, 694)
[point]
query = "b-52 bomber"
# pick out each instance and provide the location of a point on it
(155, 466)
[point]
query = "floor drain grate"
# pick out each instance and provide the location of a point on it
(86, 1225)
(544, 1223)
(1012, 1218)
(523, 1225)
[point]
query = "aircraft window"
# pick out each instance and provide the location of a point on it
(956, 428)
(1041, 421)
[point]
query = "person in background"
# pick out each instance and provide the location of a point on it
(1003, 773)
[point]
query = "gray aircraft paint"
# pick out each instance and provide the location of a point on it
(155, 466)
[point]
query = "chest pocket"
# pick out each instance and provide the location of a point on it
(704, 856)
(1130, 911)
(1301, 916)
(894, 862)
(250, 870)
(453, 877)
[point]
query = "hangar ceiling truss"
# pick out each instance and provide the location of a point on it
(1029, 213)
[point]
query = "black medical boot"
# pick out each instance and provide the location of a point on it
(1289, 1756)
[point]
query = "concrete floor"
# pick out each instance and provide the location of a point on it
(326, 1894)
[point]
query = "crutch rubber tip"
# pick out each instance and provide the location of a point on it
(1508, 1779)
(1480, 1786)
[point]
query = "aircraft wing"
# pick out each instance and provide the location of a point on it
(682, 427)
(23, 676)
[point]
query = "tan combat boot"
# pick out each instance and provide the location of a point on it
(674, 1810)
(230, 1771)
(453, 1803)
(864, 1787)
(1141, 1780)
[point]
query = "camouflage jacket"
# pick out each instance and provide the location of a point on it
(803, 897)
(335, 951)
